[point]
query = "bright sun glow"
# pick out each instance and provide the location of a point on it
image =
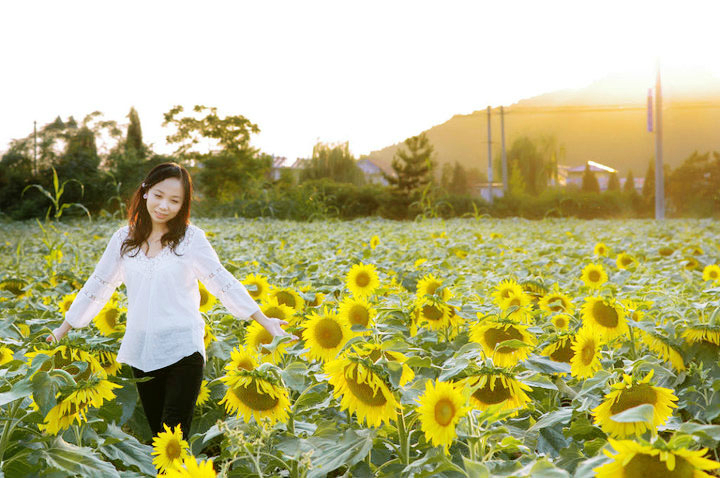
(371, 73)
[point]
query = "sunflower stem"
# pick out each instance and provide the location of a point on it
(403, 436)
(291, 429)
(9, 426)
(632, 343)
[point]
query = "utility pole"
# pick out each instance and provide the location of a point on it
(659, 180)
(35, 147)
(490, 172)
(504, 156)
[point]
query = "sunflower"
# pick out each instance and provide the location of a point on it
(556, 301)
(204, 393)
(63, 356)
(635, 460)
(433, 312)
(625, 261)
(251, 394)
(662, 347)
(600, 249)
(586, 354)
(535, 289)
(561, 321)
(377, 351)
(319, 297)
(287, 296)
(96, 390)
(15, 286)
(66, 302)
(325, 334)
(107, 319)
(702, 333)
(256, 336)
(711, 272)
(440, 409)
(490, 333)
(6, 355)
(520, 305)
(362, 280)
(240, 359)
(108, 361)
(504, 290)
(429, 284)
(62, 416)
(495, 387)
(357, 311)
(190, 468)
(363, 391)
(419, 262)
(273, 308)
(593, 275)
(690, 263)
(207, 300)
(169, 448)
(605, 316)
(631, 393)
(374, 241)
(261, 290)
(561, 350)
(208, 336)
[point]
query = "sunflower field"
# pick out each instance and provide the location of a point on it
(458, 348)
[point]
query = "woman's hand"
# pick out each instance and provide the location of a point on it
(59, 333)
(273, 325)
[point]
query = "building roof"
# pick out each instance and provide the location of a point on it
(594, 167)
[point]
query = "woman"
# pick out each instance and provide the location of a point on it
(160, 257)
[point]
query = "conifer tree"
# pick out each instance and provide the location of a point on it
(413, 167)
(589, 181)
(629, 186)
(613, 182)
(134, 142)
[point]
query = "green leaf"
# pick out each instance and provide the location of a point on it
(125, 448)
(545, 365)
(475, 469)
(20, 389)
(641, 413)
(511, 344)
(562, 415)
(74, 460)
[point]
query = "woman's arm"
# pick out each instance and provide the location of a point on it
(97, 290)
(223, 285)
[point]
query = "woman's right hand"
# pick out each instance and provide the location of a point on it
(59, 333)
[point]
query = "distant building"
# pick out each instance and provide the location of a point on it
(602, 173)
(483, 190)
(639, 182)
(373, 171)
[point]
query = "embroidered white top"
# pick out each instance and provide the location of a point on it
(163, 319)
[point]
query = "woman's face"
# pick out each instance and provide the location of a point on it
(165, 200)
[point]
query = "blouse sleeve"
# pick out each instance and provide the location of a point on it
(221, 283)
(98, 289)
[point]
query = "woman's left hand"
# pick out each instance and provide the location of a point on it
(274, 327)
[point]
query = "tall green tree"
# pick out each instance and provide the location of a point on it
(526, 162)
(459, 182)
(134, 145)
(629, 186)
(218, 149)
(613, 182)
(413, 164)
(334, 162)
(694, 187)
(589, 181)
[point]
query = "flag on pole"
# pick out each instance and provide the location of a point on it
(650, 110)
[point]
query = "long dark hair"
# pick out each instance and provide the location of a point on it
(139, 218)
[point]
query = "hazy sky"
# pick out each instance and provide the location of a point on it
(370, 72)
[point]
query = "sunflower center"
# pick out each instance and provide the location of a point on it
(560, 322)
(364, 392)
(605, 315)
(713, 274)
(375, 355)
(639, 394)
(173, 449)
(444, 412)
(498, 394)
(626, 260)
(494, 336)
(666, 251)
(359, 315)
(431, 312)
(255, 293)
(647, 466)
(594, 276)
(263, 337)
(564, 353)
(515, 302)
(275, 312)
(245, 364)
(111, 317)
(556, 304)
(253, 399)
(362, 279)
(328, 333)
(285, 298)
(587, 354)
(432, 287)
(505, 293)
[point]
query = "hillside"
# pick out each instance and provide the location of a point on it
(605, 122)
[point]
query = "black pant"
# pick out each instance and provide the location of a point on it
(169, 398)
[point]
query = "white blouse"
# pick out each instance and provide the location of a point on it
(163, 318)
